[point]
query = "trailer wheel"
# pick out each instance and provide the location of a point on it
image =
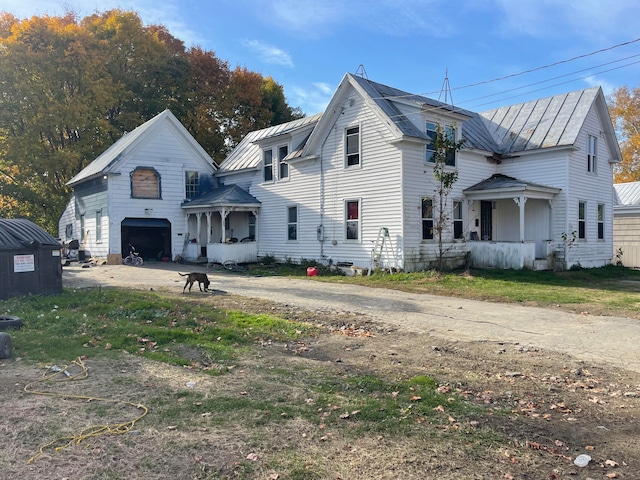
(10, 322)
(5, 345)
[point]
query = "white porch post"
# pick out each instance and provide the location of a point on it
(198, 216)
(208, 227)
(223, 217)
(521, 201)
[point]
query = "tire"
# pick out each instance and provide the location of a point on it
(138, 261)
(10, 323)
(5, 345)
(127, 260)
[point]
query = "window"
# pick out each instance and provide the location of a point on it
(431, 130)
(582, 220)
(352, 142)
(267, 165)
(252, 226)
(427, 219)
(352, 211)
(283, 167)
(592, 153)
(99, 226)
(68, 231)
(292, 223)
(457, 220)
(601, 221)
(191, 184)
(82, 227)
(145, 183)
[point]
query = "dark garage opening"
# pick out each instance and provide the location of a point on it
(151, 237)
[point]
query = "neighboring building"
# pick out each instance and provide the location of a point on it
(356, 183)
(626, 224)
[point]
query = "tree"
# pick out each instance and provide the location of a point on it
(624, 108)
(444, 147)
(70, 88)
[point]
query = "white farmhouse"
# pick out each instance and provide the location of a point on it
(355, 185)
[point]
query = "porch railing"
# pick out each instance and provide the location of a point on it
(504, 255)
(241, 252)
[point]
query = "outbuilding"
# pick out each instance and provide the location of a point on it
(30, 260)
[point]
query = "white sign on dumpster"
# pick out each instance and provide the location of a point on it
(23, 263)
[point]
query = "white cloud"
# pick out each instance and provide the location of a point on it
(269, 53)
(312, 100)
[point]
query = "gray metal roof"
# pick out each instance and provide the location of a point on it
(627, 193)
(18, 233)
(227, 195)
(248, 153)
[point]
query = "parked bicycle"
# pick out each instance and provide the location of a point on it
(133, 258)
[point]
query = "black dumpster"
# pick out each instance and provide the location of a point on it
(30, 260)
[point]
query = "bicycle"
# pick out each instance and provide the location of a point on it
(232, 266)
(133, 258)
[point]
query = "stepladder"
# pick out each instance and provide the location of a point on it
(383, 255)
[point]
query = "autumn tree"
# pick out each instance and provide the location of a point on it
(70, 89)
(624, 108)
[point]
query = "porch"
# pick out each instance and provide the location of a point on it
(241, 252)
(511, 255)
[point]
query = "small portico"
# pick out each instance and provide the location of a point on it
(222, 225)
(513, 223)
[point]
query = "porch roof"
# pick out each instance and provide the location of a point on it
(225, 196)
(503, 186)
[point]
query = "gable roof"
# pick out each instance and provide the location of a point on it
(109, 159)
(247, 153)
(627, 193)
(227, 195)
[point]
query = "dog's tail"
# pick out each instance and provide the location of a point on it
(183, 274)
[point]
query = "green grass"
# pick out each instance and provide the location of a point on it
(106, 321)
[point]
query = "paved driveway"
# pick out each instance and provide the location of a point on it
(612, 340)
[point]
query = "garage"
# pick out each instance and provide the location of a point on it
(151, 237)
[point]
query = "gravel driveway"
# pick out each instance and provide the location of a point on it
(612, 340)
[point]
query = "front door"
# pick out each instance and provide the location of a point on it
(486, 226)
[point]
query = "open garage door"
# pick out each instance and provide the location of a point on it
(150, 236)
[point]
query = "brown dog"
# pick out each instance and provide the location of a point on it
(196, 277)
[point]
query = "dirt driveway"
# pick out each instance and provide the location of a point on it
(602, 339)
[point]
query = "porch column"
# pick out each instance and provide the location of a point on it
(198, 216)
(521, 201)
(223, 217)
(208, 227)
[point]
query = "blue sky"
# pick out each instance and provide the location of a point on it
(308, 45)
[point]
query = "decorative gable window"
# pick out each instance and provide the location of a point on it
(431, 131)
(145, 183)
(427, 218)
(582, 220)
(352, 214)
(352, 146)
(191, 184)
(592, 153)
(267, 165)
(283, 167)
(292, 223)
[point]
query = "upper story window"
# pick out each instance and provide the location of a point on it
(601, 221)
(267, 165)
(431, 130)
(427, 218)
(283, 167)
(191, 184)
(352, 146)
(352, 214)
(145, 183)
(582, 220)
(292, 223)
(592, 153)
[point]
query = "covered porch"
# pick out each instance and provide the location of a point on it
(512, 223)
(222, 226)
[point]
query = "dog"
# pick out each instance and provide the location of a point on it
(196, 277)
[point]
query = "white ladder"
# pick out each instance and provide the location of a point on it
(383, 247)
